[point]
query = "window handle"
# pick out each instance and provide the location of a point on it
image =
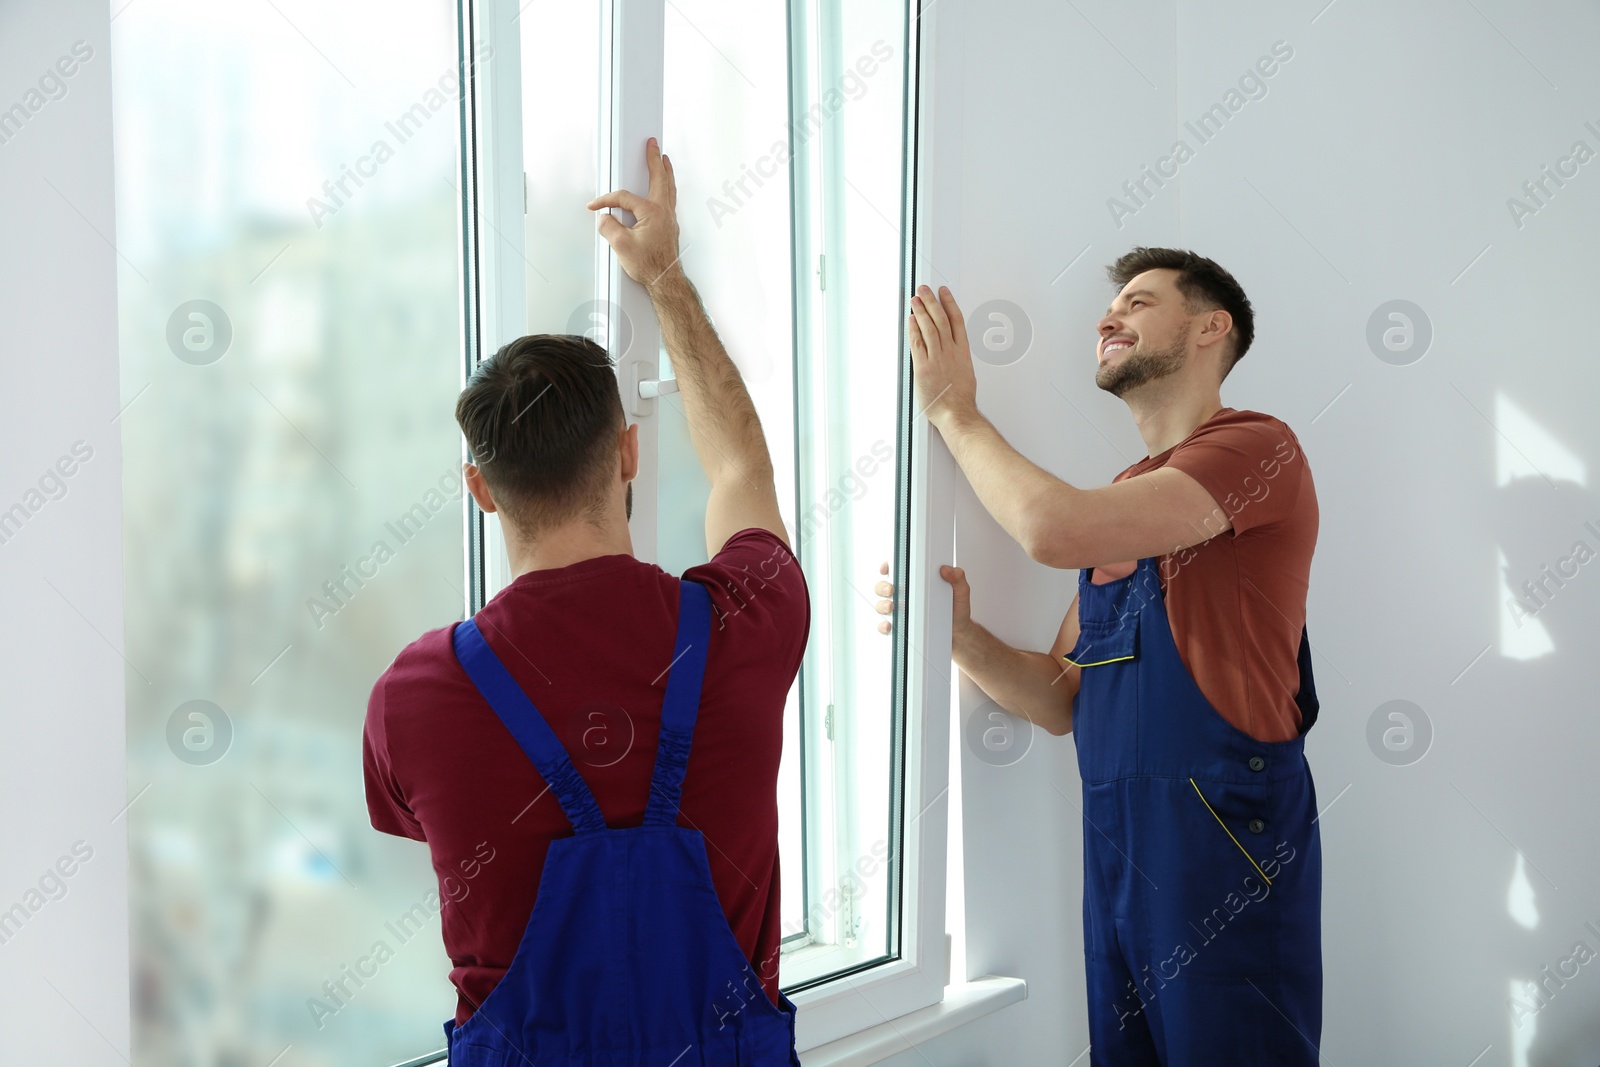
(650, 388)
(647, 387)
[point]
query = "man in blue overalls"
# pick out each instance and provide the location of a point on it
(630, 914)
(627, 952)
(1182, 669)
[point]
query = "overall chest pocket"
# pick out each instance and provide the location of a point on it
(1106, 642)
(1105, 708)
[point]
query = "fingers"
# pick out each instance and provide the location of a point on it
(611, 229)
(926, 336)
(919, 350)
(956, 576)
(934, 305)
(619, 198)
(672, 182)
(958, 321)
(884, 589)
(658, 171)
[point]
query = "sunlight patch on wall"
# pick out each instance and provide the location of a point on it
(1535, 453)
(1522, 1035)
(1519, 898)
(1521, 635)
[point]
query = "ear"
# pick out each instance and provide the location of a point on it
(478, 487)
(630, 452)
(1217, 325)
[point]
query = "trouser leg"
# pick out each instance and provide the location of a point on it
(1119, 1027)
(1250, 1022)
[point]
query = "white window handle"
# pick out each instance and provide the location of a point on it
(647, 387)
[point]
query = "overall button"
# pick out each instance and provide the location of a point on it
(1257, 825)
(1257, 763)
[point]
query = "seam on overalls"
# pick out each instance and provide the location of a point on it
(1229, 832)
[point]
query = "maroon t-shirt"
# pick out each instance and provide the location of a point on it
(590, 644)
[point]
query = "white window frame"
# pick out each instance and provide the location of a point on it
(837, 1017)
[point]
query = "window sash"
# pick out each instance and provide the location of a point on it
(632, 76)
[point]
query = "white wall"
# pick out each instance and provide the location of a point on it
(1376, 167)
(64, 972)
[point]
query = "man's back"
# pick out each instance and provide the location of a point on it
(590, 644)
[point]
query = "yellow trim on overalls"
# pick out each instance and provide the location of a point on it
(1097, 662)
(1227, 831)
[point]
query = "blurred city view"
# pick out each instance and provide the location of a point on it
(292, 512)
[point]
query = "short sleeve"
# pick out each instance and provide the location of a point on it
(386, 804)
(757, 578)
(1251, 465)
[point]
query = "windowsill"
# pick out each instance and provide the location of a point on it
(962, 1004)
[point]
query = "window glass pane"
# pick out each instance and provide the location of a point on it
(553, 83)
(724, 121)
(725, 125)
(802, 278)
(560, 152)
(290, 360)
(848, 139)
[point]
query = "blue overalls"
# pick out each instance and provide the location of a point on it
(1202, 863)
(628, 959)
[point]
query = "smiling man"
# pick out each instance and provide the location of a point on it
(1182, 669)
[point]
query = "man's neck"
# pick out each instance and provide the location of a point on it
(1164, 420)
(566, 545)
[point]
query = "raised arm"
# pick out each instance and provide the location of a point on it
(722, 418)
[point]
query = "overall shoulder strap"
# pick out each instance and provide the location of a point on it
(681, 705)
(520, 717)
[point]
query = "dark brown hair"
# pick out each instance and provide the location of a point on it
(541, 418)
(1205, 287)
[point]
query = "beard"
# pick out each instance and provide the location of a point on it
(1136, 368)
(628, 503)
